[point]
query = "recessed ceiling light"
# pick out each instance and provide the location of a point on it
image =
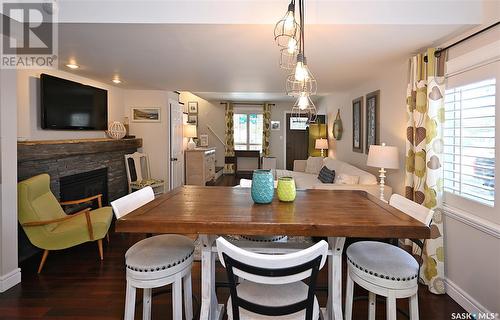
(116, 80)
(72, 66)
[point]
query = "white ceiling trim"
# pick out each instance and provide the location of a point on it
(268, 11)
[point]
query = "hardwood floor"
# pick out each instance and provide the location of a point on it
(76, 285)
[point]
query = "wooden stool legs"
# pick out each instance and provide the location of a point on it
(44, 257)
(99, 245)
(178, 286)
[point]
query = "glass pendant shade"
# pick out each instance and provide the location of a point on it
(304, 106)
(301, 80)
(287, 29)
(288, 60)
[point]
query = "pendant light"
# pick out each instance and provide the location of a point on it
(289, 35)
(301, 80)
(301, 83)
(287, 30)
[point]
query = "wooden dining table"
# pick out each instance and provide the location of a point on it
(213, 211)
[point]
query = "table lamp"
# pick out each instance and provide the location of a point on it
(190, 132)
(321, 144)
(383, 157)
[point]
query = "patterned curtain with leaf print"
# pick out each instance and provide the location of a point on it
(424, 146)
(266, 126)
(229, 135)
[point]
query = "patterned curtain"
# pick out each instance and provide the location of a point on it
(424, 145)
(229, 150)
(266, 134)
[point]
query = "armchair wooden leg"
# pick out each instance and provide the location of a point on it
(44, 257)
(99, 245)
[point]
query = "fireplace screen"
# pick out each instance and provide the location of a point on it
(83, 185)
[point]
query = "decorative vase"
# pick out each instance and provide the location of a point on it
(262, 186)
(286, 189)
(116, 130)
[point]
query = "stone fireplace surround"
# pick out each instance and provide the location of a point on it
(60, 158)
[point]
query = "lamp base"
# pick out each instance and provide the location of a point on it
(382, 183)
(191, 144)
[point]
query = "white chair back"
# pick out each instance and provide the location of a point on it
(140, 169)
(132, 201)
(413, 209)
(266, 261)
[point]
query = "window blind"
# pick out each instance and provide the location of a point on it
(469, 141)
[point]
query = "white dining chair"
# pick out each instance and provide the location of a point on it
(271, 286)
(155, 262)
(139, 173)
(386, 270)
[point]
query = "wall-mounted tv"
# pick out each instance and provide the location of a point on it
(68, 105)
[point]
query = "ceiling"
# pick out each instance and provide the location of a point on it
(236, 58)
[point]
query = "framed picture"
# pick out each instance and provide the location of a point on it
(193, 119)
(372, 119)
(145, 114)
(193, 107)
(203, 140)
(275, 125)
(357, 125)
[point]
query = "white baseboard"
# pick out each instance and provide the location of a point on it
(464, 299)
(10, 279)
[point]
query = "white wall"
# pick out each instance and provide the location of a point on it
(28, 96)
(210, 113)
(472, 245)
(155, 136)
(392, 86)
(10, 274)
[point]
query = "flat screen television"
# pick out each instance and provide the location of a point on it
(69, 105)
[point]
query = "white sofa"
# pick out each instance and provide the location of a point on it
(305, 173)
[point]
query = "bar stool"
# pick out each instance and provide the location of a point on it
(386, 270)
(155, 262)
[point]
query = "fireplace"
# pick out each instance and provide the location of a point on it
(85, 184)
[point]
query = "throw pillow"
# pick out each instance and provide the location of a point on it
(326, 175)
(347, 179)
(314, 165)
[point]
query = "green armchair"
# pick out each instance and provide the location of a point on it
(47, 225)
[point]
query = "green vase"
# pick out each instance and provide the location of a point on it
(286, 189)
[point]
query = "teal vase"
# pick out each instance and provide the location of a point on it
(262, 186)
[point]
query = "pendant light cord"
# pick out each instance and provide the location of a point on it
(302, 40)
(303, 27)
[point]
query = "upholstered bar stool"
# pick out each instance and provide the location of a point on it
(155, 262)
(386, 270)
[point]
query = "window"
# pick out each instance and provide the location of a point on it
(248, 129)
(298, 123)
(469, 141)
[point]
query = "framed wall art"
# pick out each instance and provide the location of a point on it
(357, 125)
(372, 119)
(193, 107)
(203, 140)
(145, 114)
(193, 119)
(275, 125)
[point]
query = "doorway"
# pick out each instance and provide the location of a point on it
(297, 137)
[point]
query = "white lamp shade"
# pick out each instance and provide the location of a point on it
(321, 144)
(386, 157)
(190, 131)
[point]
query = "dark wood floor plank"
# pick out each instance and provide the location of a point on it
(76, 285)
